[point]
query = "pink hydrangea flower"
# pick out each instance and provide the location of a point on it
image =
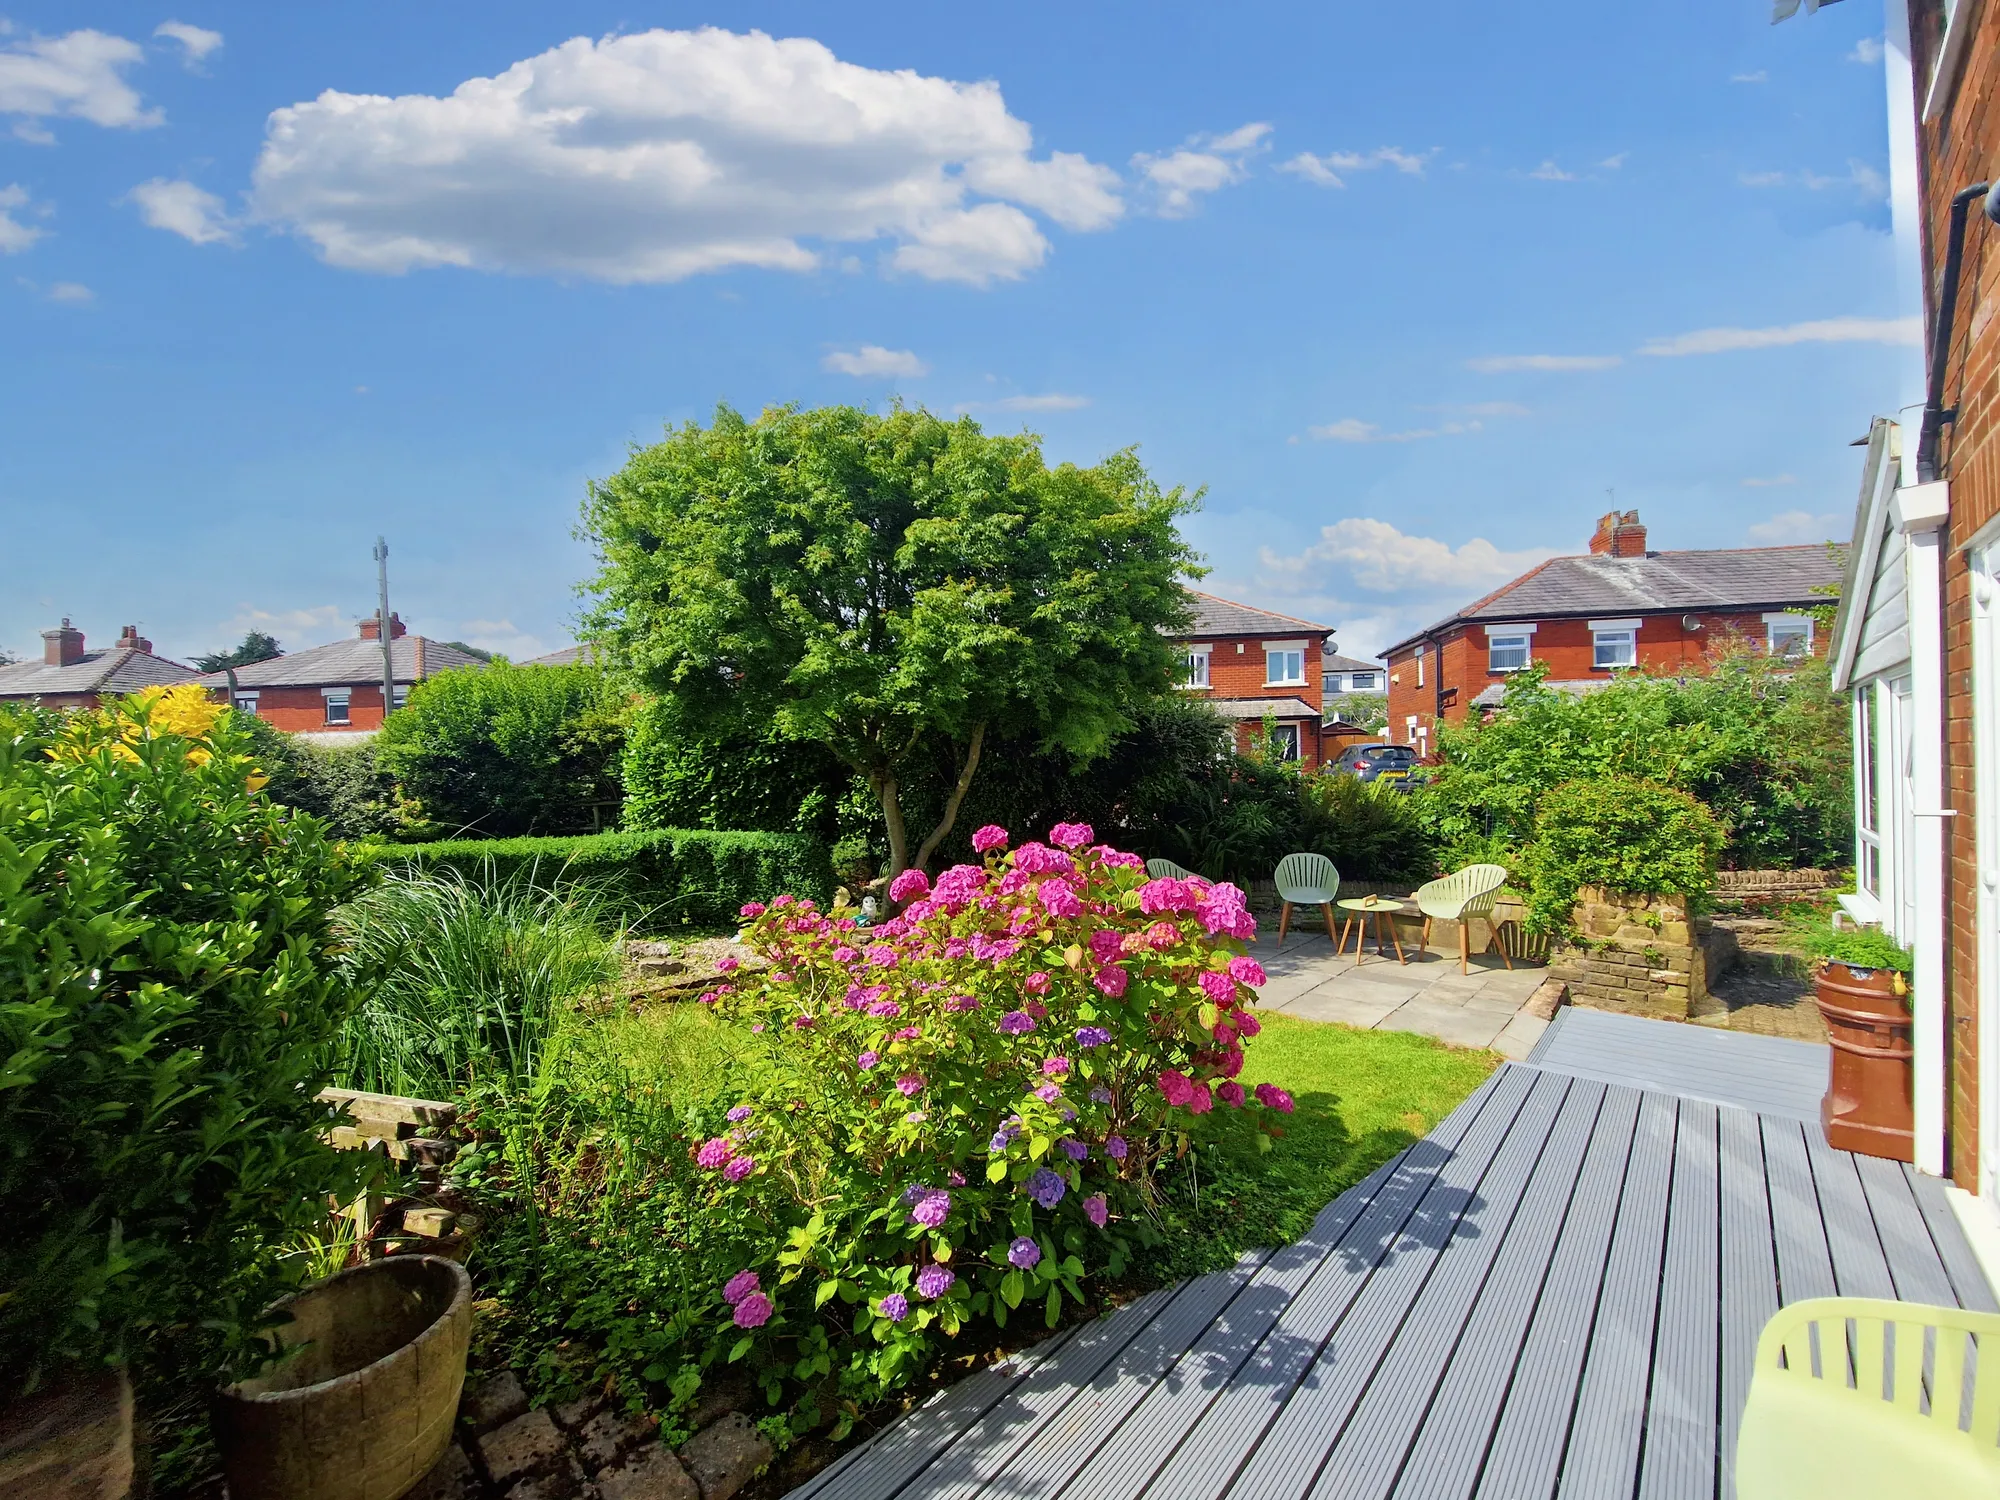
(1247, 971)
(1048, 1093)
(910, 1084)
(1036, 983)
(1201, 1103)
(1177, 1086)
(1058, 900)
(883, 956)
(1111, 980)
(739, 1286)
(1231, 1063)
(989, 838)
(1230, 1093)
(844, 954)
(1156, 896)
(752, 909)
(1248, 1024)
(1224, 1034)
(995, 950)
(1218, 986)
(1118, 859)
(908, 884)
(714, 1153)
(886, 1010)
(754, 1311)
(1071, 835)
(1162, 936)
(1272, 1097)
(867, 1060)
(739, 1168)
(1096, 1209)
(1106, 943)
(1055, 1067)
(725, 964)
(958, 885)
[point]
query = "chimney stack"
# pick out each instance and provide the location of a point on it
(130, 639)
(63, 646)
(371, 628)
(1619, 535)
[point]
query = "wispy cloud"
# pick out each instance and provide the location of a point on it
(1548, 171)
(1863, 178)
(1819, 331)
(196, 41)
(1613, 163)
(14, 235)
(1867, 50)
(1761, 179)
(1501, 364)
(1354, 430)
(1789, 528)
(1049, 401)
(1325, 170)
(872, 361)
(1760, 76)
(1204, 164)
(181, 208)
(73, 292)
(1773, 482)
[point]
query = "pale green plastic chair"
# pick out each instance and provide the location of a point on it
(1867, 1415)
(1460, 897)
(1166, 869)
(1306, 880)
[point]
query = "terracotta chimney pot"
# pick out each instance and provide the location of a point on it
(63, 646)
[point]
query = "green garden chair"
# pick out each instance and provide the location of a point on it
(1165, 869)
(1459, 897)
(1867, 1414)
(1306, 880)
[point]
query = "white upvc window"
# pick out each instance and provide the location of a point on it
(1410, 730)
(1867, 795)
(1194, 660)
(1284, 664)
(1420, 667)
(246, 700)
(1788, 635)
(1364, 682)
(1508, 647)
(1614, 643)
(338, 702)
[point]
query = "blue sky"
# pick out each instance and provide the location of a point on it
(1407, 289)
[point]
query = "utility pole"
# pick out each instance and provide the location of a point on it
(382, 627)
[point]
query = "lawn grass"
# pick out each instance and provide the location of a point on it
(1361, 1096)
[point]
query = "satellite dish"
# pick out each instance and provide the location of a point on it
(1690, 623)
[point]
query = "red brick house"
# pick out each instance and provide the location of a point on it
(337, 688)
(69, 676)
(1252, 665)
(1618, 605)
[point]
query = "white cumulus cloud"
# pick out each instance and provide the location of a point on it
(1501, 364)
(73, 292)
(79, 75)
(1819, 331)
(181, 208)
(196, 41)
(664, 154)
(1354, 430)
(1325, 170)
(872, 360)
(1867, 50)
(1789, 528)
(14, 235)
(1772, 481)
(1204, 164)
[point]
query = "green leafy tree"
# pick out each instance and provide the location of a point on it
(882, 584)
(255, 646)
(505, 750)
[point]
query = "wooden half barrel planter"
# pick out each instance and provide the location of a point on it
(1869, 1106)
(365, 1406)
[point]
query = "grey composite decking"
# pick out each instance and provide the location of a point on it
(1769, 1075)
(1555, 1293)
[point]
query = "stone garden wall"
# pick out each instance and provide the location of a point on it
(1639, 954)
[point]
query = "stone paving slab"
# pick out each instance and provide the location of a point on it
(1427, 994)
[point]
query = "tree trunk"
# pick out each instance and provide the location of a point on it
(929, 846)
(886, 789)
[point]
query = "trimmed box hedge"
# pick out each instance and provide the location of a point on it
(657, 880)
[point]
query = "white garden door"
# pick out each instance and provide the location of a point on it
(1986, 799)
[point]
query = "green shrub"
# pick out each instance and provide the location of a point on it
(341, 785)
(652, 881)
(503, 750)
(168, 1005)
(1861, 948)
(676, 778)
(469, 977)
(1633, 837)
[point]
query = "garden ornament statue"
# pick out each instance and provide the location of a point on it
(868, 910)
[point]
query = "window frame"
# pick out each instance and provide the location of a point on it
(1497, 641)
(1793, 625)
(1356, 685)
(344, 697)
(1867, 794)
(1613, 632)
(1286, 650)
(1191, 656)
(1280, 734)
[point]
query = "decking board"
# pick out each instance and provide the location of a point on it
(1557, 1292)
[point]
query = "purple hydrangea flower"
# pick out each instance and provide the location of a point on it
(932, 1209)
(714, 1153)
(1096, 1209)
(934, 1280)
(1114, 1147)
(1075, 1150)
(1046, 1188)
(1017, 1023)
(868, 1060)
(1048, 1093)
(754, 1311)
(895, 1307)
(1024, 1253)
(1092, 1036)
(1055, 1067)
(1100, 1095)
(739, 1286)
(886, 1009)
(739, 1168)
(739, 1114)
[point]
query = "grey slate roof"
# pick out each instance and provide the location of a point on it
(113, 670)
(1597, 586)
(1331, 663)
(569, 656)
(1213, 616)
(1257, 708)
(350, 662)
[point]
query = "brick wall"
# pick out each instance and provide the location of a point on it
(1234, 673)
(301, 708)
(1962, 146)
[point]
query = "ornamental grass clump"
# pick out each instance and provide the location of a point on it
(964, 1108)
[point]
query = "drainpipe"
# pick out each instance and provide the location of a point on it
(1936, 413)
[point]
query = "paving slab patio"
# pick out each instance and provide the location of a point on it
(1426, 994)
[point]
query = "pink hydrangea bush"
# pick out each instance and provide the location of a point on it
(964, 1103)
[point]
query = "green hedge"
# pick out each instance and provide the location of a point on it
(658, 880)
